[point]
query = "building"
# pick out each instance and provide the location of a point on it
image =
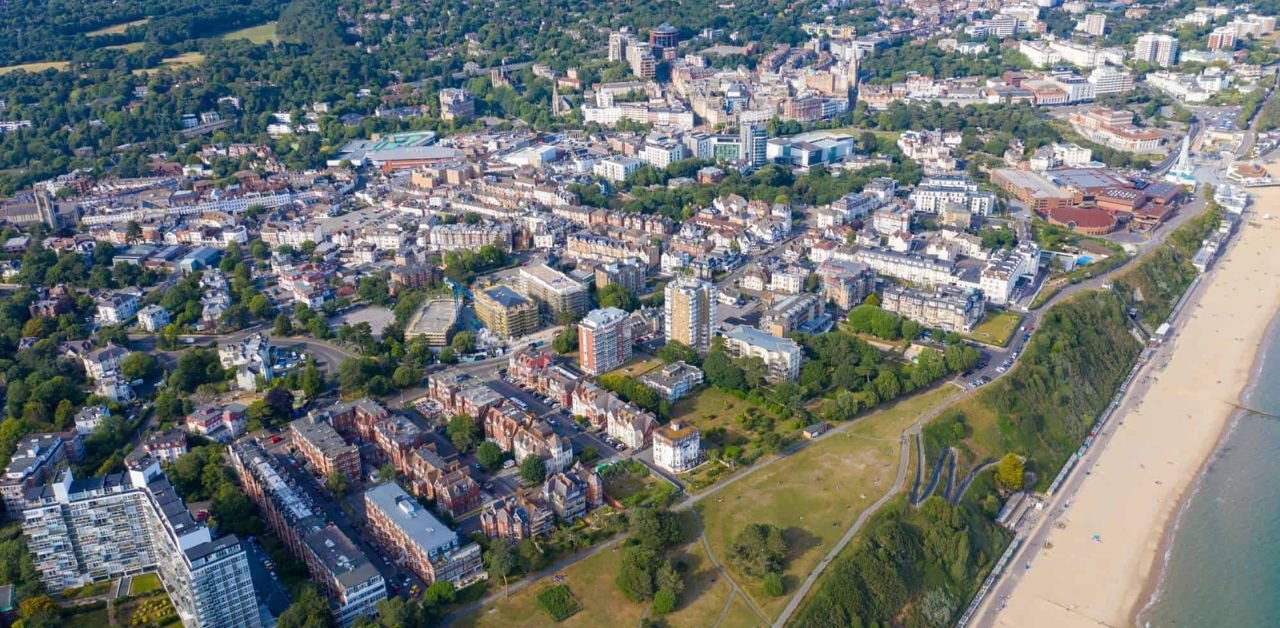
(217, 423)
(938, 192)
(627, 273)
(1157, 49)
(689, 312)
(36, 459)
(1110, 79)
(456, 104)
(555, 292)
(631, 426)
(674, 380)
(676, 447)
(604, 340)
(754, 141)
(506, 313)
(434, 322)
(616, 169)
(115, 309)
(153, 318)
(324, 448)
(912, 267)
(96, 529)
(1222, 38)
(516, 518)
(416, 539)
(788, 314)
(571, 494)
(253, 357)
(782, 356)
(664, 36)
(1094, 24)
(1035, 191)
(845, 284)
(348, 577)
(946, 308)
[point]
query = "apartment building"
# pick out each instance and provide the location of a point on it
(348, 577)
(516, 518)
(947, 308)
(786, 315)
(1156, 48)
(616, 169)
(605, 249)
(36, 459)
(153, 318)
(674, 380)
(573, 493)
(324, 448)
(555, 292)
(690, 313)
(782, 356)
(95, 529)
(676, 447)
(114, 309)
(937, 192)
(627, 273)
(506, 313)
(919, 269)
(604, 340)
(416, 539)
(845, 283)
(465, 237)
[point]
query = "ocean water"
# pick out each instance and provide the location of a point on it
(1224, 562)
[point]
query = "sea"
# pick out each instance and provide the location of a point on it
(1223, 564)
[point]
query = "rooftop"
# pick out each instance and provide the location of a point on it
(414, 521)
(764, 340)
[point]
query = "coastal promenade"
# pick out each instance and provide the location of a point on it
(1093, 559)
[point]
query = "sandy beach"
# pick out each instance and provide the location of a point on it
(1100, 562)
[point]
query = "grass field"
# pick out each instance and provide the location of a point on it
(261, 34)
(116, 29)
(711, 408)
(144, 584)
(815, 494)
(40, 66)
(740, 615)
(637, 367)
(997, 328)
(591, 581)
(132, 47)
(96, 618)
(705, 591)
(185, 59)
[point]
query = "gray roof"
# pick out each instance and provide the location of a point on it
(506, 297)
(410, 517)
(757, 338)
(340, 556)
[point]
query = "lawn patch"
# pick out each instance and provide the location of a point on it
(39, 66)
(558, 602)
(260, 34)
(997, 328)
(144, 584)
(117, 29)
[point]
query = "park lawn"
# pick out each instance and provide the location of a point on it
(815, 494)
(740, 615)
(116, 29)
(637, 367)
(260, 34)
(985, 440)
(144, 584)
(997, 328)
(711, 407)
(592, 583)
(706, 591)
(39, 66)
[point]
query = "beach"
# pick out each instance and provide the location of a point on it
(1100, 561)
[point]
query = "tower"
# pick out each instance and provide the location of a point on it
(690, 313)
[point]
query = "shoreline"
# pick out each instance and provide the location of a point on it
(1105, 559)
(1153, 588)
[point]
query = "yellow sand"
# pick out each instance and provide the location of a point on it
(1155, 456)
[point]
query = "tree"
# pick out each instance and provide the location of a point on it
(138, 365)
(500, 561)
(654, 528)
(280, 400)
(676, 351)
(664, 602)
(636, 574)
(668, 578)
(387, 473)
(758, 549)
(533, 470)
(336, 482)
(308, 610)
(1010, 471)
(440, 592)
(615, 295)
(463, 342)
(284, 325)
(312, 380)
(464, 431)
(489, 455)
(566, 341)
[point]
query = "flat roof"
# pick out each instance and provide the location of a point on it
(766, 341)
(407, 515)
(340, 556)
(436, 316)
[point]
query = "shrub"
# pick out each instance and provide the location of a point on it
(558, 602)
